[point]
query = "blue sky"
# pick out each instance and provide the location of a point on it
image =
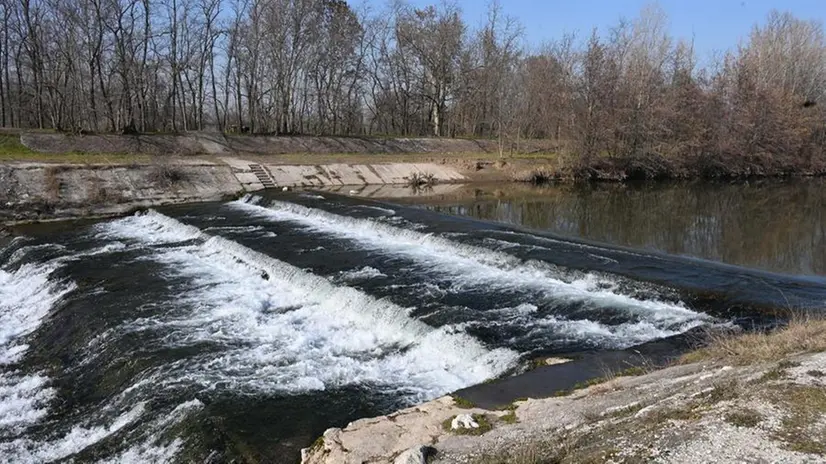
(714, 24)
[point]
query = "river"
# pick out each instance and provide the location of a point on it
(241, 330)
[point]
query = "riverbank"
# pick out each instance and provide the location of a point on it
(754, 397)
(46, 176)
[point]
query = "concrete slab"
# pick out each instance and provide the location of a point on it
(249, 181)
(342, 174)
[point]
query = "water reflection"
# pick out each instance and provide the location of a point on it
(771, 225)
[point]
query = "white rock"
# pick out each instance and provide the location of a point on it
(619, 408)
(463, 421)
(284, 189)
(414, 455)
(553, 361)
(644, 411)
(353, 192)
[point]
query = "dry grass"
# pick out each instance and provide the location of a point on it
(537, 176)
(744, 418)
(803, 334)
(567, 449)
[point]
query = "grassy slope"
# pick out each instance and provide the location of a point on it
(12, 150)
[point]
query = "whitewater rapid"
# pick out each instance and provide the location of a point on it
(284, 328)
(464, 267)
(28, 293)
(229, 310)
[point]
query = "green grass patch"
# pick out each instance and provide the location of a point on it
(484, 426)
(510, 417)
(317, 444)
(463, 403)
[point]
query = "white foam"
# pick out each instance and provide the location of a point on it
(365, 273)
(23, 401)
(28, 451)
(235, 229)
(157, 228)
(26, 297)
(287, 329)
(618, 336)
(550, 331)
(387, 211)
(21, 252)
(469, 267)
(152, 448)
(585, 246)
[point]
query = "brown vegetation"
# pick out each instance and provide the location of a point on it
(164, 174)
(629, 104)
(803, 334)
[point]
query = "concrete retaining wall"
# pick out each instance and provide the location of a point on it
(340, 174)
(37, 191)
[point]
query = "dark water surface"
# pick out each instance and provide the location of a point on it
(242, 330)
(779, 226)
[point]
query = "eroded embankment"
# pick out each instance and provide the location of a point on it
(42, 192)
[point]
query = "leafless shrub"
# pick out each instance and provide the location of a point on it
(165, 174)
(421, 180)
(536, 176)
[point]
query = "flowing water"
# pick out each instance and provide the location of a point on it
(242, 330)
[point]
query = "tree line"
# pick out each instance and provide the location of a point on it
(324, 67)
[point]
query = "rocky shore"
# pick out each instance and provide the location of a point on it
(707, 412)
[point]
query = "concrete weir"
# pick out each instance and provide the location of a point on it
(255, 176)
